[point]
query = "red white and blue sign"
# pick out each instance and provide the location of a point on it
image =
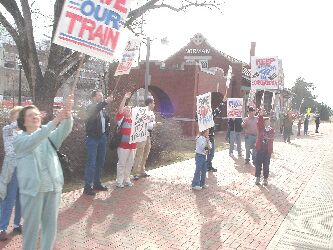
(92, 27)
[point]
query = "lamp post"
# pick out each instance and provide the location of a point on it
(20, 85)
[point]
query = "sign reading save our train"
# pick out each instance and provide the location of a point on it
(92, 27)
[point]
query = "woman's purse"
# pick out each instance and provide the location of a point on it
(115, 137)
(64, 162)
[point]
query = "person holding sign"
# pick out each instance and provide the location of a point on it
(250, 129)
(211, 151)
(143, 148)
(203, 145)
(126, 150)
(235, 128)
(264, 146)
(97, 129)
(39, 172)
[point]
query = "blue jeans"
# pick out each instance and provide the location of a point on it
(96, 148)
(211, 154)
(250, 143)
(235, 137)
(200, 170)
(8, 203)
(262, 162)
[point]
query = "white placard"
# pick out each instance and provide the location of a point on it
(264, 73)
(204, 112)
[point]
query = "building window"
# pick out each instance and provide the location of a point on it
(204, 64)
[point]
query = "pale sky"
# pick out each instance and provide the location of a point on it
(297, 31)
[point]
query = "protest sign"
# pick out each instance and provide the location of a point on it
(235, 108)
(264, 73)
(204, 111)
(139, 131)
(124, 66)
(92, 27)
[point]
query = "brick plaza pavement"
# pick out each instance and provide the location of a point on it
(162, 212)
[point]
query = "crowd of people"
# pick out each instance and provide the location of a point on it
(32, 177)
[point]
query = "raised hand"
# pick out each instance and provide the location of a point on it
(128, 95)
(109, 99)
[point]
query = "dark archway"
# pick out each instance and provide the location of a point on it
(163, 103)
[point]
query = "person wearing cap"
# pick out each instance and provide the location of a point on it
(264, 146)
(143, 148)
(250, 131)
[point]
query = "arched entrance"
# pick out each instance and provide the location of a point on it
(163, 103)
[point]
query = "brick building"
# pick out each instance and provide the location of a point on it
(195, 69)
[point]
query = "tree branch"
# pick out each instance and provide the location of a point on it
(11, 30)
(152, 4)
(72, 70)
(13, 9)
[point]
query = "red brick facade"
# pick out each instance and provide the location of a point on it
(176, 82)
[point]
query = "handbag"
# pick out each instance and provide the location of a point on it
(64, 162)
(115, 137)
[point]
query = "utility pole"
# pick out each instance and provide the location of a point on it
(20, 86)
(147, 77)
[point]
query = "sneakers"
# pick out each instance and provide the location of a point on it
(257, 180)
(136, 177)
(17, 230)
(205, 186)
(3, 236)
(100, 187)
(120, 185)
(89, 191)
(211, 169)
(145, 175)
(128, 184)
(196, 188)
(265, 182)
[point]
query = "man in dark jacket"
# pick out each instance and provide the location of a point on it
(97, 129)
(235, 128)
(211, 152)
(317, 121)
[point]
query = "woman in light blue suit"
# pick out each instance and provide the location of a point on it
(39, 172)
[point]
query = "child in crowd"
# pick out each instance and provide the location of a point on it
(264, 146)
(203, 145)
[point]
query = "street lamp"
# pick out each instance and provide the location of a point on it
(147, 68)
(164, 41)
(20, 85)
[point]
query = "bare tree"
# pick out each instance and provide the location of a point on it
(62, 62)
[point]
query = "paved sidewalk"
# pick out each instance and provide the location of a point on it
(162, 212)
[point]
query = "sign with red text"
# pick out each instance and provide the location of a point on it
(92, 27)
(205, 112)
(131, 50)
(235, 107)
(264, 73)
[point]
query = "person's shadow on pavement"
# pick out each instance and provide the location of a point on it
(118, 208)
